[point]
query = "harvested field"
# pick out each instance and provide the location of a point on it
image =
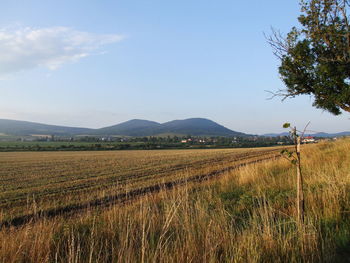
(50, 183)
(247, 213)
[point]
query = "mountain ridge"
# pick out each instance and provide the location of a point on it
(15, 127)
(134, 128)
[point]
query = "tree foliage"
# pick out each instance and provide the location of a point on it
(315, 58)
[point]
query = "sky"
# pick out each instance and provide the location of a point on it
(92, 63)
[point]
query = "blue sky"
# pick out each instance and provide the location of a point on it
(98, 63)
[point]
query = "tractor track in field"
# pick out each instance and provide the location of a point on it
(131, 195)
(137, 175)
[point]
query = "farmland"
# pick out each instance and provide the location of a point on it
(246, 213)
(34, 183)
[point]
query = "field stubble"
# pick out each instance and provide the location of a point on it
(35, 184)
(247, 215)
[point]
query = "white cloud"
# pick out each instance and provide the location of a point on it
(25, 48)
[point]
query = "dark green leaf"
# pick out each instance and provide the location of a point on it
(286, 125)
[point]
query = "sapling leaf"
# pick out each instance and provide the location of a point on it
(286, 125)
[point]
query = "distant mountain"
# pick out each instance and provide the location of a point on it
(323, 134)
(13, 127)
(131, 128)
(198, 127)
(319, 134)
(275, 134)
(194, 126)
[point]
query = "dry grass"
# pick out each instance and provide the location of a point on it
(245, 216)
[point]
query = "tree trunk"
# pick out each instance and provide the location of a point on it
(300, 192)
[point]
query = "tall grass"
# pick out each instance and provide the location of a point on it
(248, 215)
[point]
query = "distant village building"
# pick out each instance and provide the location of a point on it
(308, 139)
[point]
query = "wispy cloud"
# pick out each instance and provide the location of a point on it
(51, 47)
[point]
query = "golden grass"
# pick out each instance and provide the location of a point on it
(248, 215)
